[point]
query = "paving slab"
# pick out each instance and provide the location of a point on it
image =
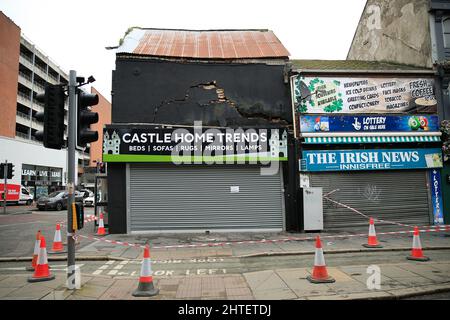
(119, 290)
(58, 295)
(30, 291)
(90, 291)
(190, 288)
(268, 285)
(14, 281)
(296, 280)
(5, 291)
(131, 253)
(427, 271)
(213, 287)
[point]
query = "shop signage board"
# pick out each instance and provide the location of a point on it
(370, 159)
(214, 145)
(363, 95)
(436, 196)
(369, 123)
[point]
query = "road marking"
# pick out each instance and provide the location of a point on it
(19, 224)
(103, 267)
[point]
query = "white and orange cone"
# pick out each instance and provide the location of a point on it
(416, 252)
(146, 287)
(57, 242)
(101, 226)
(42, 272)
(372, 241)
(320, 273)
(37, 245)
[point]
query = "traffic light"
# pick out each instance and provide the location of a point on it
(85, 118)
(2, 171)
(77, 216)
(10, 171)
(53, 117)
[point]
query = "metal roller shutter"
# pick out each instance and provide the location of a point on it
(400, 196)
(199, 198)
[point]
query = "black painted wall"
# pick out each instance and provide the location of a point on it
(225, 94)
(117, 201)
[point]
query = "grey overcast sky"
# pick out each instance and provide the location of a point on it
(75, 33)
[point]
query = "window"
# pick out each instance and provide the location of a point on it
(24, 191)
(446, 32)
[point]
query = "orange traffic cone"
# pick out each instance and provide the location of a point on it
(372, 241)
(57, 243)
(416, 252)
(101, 226)
(145, 287)
(319, 274)
(41, 272)
(37, 244)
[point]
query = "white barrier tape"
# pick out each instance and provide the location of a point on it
(327, 194)
(88, 219)
(362, 214)
(216, 244)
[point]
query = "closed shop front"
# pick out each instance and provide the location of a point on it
(183, 198)
(398, 196)
(197, 180)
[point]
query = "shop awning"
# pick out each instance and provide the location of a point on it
(369, 139)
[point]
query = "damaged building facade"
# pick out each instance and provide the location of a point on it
(201, 136)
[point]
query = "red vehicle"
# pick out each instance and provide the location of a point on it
(16, 194)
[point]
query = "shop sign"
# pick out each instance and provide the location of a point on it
(375, 159)
(369, 123)
(363, 95)
(194, 145)
(41, 173)
(436, 196)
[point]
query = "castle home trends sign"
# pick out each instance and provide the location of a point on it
(193, 144)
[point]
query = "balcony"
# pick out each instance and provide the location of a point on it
(40, 71)
(24, 99)
(21, 135)
(25, 80)
(38, 107)
(26, 62)
(37, 125)
(22, 118)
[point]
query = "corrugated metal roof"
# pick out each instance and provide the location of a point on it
(333, 65)
(204, 44)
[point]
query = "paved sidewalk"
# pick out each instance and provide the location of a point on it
(345, 242)
(397, 281)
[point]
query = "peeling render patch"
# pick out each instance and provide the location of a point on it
(203, 98)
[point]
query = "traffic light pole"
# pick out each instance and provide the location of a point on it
(72, 130)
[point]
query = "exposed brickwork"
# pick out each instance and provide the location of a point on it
(104, 117)
(9, 72)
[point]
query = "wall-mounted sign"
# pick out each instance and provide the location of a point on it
(363, 95)
(375, 159)
(193, 145)
(368, 123)
(436, 197)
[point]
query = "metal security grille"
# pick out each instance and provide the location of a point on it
(399, 196)
(201, 198)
